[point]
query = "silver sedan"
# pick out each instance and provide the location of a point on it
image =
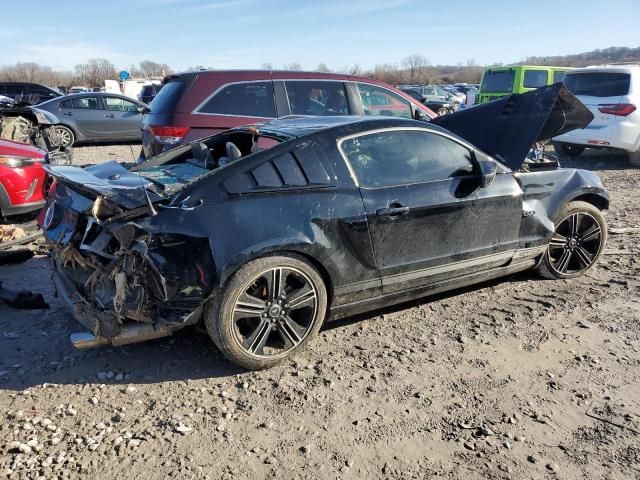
(96, 117)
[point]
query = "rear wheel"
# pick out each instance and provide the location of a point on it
(579, 238)
(442, 112)
(634, 158)
(65, 135)
(269, 309)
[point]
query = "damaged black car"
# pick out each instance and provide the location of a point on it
(264, 232)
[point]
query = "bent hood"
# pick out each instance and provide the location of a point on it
(507, 128)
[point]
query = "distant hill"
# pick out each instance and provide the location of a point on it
(595, 57)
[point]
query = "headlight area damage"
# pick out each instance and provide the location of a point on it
(118, 274)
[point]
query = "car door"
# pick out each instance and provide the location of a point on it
(84, 113)
(123, 118)
(429, 219)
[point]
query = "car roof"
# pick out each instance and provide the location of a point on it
(291, 127)
(630, 68)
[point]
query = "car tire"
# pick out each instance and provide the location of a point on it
(442, 112)
(578, 241)
(634, 158)
(66, 135)
(255, 324)
(568, 150)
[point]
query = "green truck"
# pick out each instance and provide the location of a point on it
(498, 82)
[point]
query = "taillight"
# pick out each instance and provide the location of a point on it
(17, 161)
(619, 109)
(171, 135)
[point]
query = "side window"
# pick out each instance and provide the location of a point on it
(86, 103)
(429, 91)
(16, 89)
(65, 104)
(558, 76)
(379, 101)
(116, 104)
(253, 99)
(534, 78)
(317, 98)
(400, 157)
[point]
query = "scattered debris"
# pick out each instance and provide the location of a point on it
(23, 299)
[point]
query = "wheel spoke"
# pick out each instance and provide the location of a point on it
(276, 279)
(291, 332)
(585, 257)
(592, 233)
(558, 241)
(255, 342)
(574, 222)
(300, 297)
(248, 306)
(563, 262)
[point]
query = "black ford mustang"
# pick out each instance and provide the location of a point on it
(264, 232)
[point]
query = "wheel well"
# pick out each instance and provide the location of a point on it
(596, 200)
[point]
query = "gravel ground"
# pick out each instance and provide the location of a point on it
(85, 155)
(517, 378)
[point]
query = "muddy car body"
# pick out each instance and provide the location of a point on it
(263, 232)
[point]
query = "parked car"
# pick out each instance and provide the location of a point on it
(438, 105)
(262, 232)
(498, 82)
(459, 96)
(21, 178)
(434, 92)
(612, 94)
(149, 92)
(96, 117)
(78, 90)
(196, 104)
(28, 93)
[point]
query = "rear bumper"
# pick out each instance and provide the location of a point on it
(621, 135)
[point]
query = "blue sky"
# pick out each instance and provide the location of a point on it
(248, 33)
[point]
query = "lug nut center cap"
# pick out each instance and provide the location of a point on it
(275, 311)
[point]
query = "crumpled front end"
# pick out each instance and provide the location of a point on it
(122, 278)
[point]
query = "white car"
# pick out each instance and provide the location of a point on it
(612, 93)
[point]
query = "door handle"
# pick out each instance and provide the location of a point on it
(394, 210)
(68, 114)
(109, 115)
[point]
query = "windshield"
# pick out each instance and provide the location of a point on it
(498, 81)
(598, 84)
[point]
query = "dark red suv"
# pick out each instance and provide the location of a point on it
(196, 104)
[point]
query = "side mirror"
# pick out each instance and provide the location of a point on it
(143, 110)
(488, 171)
(420, 115)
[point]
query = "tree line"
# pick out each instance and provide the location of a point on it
(413, 69)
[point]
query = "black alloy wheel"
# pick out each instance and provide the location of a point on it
(270, 308)
(577, 243)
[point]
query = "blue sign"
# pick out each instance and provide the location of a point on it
(124, 75)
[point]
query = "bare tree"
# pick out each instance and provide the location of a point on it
(154, 69)
(267, 66)
(322, 67)
(95, 72)
(292, 66)
(415, 64)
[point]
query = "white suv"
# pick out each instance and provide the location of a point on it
(612, 93)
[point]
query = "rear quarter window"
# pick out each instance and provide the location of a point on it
(251, 99)
(598, 84)
(534, 78)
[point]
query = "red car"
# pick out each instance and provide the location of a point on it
(197, 104)
(21, 178)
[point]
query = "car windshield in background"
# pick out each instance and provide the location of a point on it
(168, 97)
(498, 81)
(598, 84)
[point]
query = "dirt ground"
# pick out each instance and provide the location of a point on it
(517, 378)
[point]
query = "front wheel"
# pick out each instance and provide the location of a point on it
(269, 309)
(442, 112)
(579, 238)
(568, 149)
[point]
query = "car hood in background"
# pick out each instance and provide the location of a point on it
(507, 128)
